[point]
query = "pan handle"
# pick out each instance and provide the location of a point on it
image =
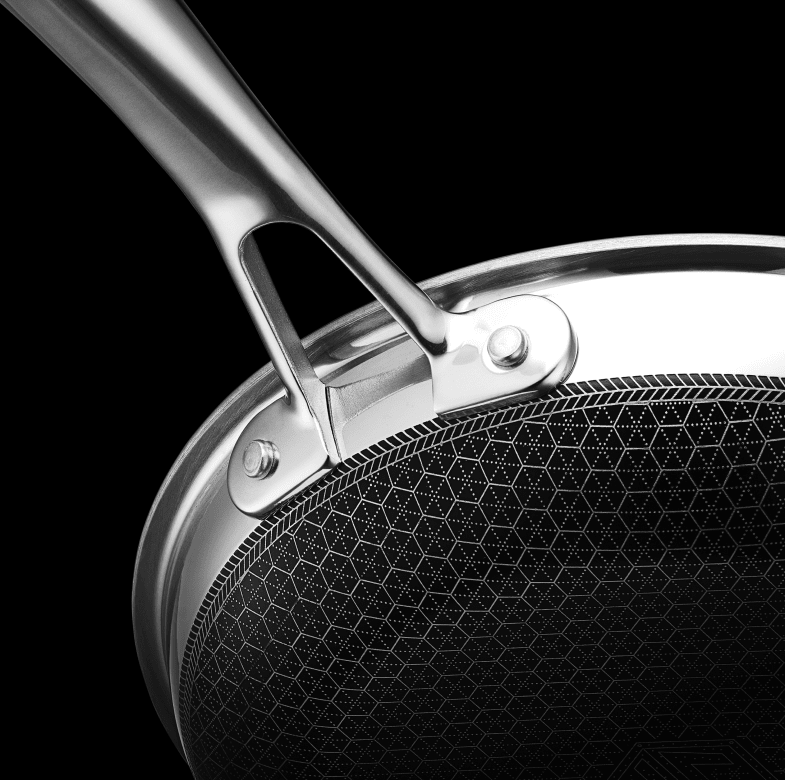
(152, 63)
(156, 68)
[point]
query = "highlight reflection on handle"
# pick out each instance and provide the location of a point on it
(152, 63)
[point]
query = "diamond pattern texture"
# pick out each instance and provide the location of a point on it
(530, 593)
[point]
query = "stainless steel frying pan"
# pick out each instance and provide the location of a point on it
(437, 538)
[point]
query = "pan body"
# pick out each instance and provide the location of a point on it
(589, 584)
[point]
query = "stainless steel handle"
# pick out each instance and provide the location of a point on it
(154, 65)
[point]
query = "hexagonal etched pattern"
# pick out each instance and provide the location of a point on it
(529, 593)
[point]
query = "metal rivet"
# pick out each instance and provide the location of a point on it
(507, 346)
(260, 459)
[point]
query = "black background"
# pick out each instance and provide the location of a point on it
(451, 141)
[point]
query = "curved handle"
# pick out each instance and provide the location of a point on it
(152, 63)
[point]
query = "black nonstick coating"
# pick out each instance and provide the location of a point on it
(589, 585)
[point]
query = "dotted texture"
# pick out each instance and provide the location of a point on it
(528, 593)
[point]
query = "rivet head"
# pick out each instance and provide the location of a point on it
(260, 459)
(507, 346)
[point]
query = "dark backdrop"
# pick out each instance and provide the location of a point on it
(451, 142)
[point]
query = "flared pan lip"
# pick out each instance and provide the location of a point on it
(148, 601)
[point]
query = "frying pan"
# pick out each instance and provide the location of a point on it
(441, 540)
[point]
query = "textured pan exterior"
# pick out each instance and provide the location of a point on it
(587, 585)
(615, 292)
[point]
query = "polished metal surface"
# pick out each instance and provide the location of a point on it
(550, 358)
(665, 305)
(459, 387)
(260, 459)
(508, 346)
(616, 289)
(152, 64)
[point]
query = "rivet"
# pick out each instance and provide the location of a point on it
(508, 346)
(260, 459)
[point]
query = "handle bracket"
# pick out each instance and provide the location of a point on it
(298, 423)
(155, 67)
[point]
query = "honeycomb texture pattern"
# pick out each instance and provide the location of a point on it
(529, 593)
